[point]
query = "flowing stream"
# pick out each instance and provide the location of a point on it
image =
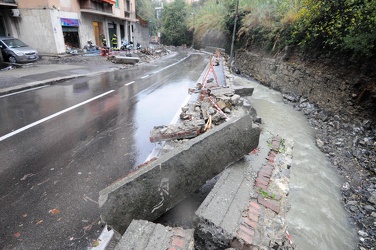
(317, 219)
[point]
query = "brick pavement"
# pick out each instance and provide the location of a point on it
(249, 196)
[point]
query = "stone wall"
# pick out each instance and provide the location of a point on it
(328, 91)
(213, 38)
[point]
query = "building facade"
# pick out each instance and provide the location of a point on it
(55, 26)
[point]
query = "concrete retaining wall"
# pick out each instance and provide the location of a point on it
(155, 188)
(326, 90)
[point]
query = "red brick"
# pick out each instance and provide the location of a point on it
(272, 153)
(254, 211)
(252, 216)
(259, 185)
(249, 222)
(262, 181)
(271, 204)
(267, 168)
(177, 242)
(178, 231)
(246, 230)
(245, 237)
(254, 205)
(264, 173)
(271, 159)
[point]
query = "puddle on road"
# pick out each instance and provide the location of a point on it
(317, 219)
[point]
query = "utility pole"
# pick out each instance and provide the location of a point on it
(233, 35)
(193, 33)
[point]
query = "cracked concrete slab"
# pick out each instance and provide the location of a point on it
(157, 187)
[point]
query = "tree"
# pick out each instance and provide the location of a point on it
(175, 30)
(145, 9)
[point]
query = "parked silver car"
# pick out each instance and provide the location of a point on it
(16, 51)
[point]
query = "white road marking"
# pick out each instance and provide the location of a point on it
(52, 116)
(171, 65)
(145, 76)
(22, 91)
(129, 83)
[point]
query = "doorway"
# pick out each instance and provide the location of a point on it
(111, 31)
(98, 31)
(71, 38)
(122, 32)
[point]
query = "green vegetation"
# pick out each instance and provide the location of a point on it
(146, 10)
(346, 25)
(341, 26)
(175, 30)
(266, 194)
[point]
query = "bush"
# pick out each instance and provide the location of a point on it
(344, 25)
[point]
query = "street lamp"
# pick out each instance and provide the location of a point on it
(193, 33)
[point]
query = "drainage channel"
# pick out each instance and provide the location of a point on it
(317, 219)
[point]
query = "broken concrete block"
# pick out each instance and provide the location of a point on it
(227, 110)
(126, 59)
(217, 92)
(235, 99)
(220, 213)
(243, 90)
(157, 187)
(221, 104)
(145, 235)
(185, 130)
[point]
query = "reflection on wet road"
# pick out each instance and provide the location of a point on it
(61, 144)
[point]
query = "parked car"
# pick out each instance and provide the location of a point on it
(16, 51)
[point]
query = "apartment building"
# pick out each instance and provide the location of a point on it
(52, 26)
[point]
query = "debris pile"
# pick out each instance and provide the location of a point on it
(211, 106)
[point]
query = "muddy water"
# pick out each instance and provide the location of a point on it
(317, 219)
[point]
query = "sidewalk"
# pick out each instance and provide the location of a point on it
(52, 68)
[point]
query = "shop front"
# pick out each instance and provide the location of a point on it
(70, 33)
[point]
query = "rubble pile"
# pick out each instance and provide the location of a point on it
(212, 105)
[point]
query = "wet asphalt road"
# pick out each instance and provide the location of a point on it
(61, 144)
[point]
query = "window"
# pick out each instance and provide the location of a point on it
(117, 3)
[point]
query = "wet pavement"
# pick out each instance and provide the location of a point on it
(52, 171)
(51, 69)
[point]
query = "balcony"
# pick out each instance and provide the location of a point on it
(127, 14)
(104, 6)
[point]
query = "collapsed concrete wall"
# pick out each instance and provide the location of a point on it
(155, 188)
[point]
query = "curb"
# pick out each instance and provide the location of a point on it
(49, 81)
